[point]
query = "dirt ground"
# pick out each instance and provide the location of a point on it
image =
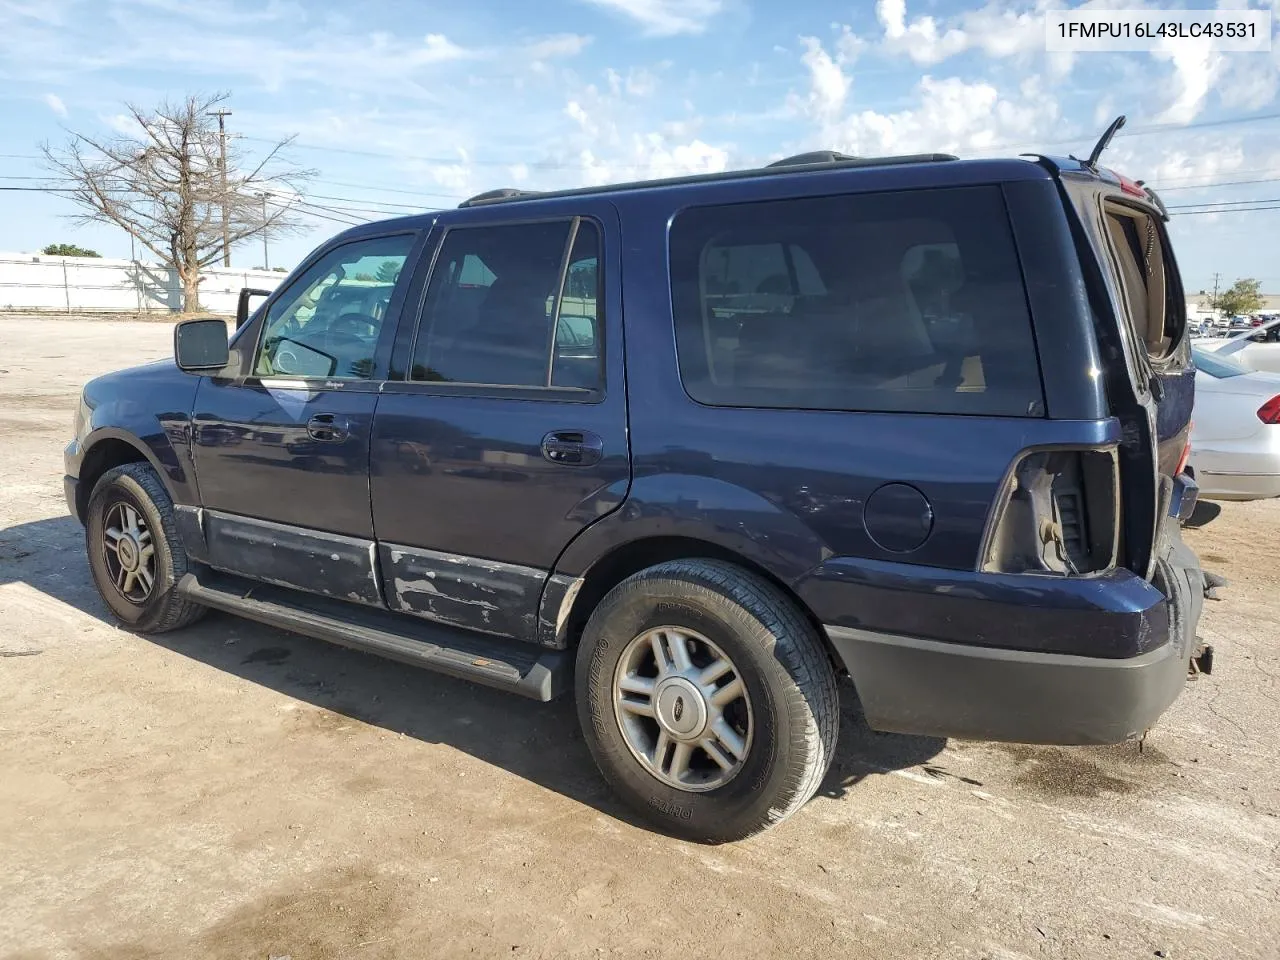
(232, 791)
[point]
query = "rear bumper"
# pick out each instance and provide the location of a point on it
(930, 688)
(1238, 486)
(1027, 659)
(1239, 470)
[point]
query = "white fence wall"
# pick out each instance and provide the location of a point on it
(35, 282)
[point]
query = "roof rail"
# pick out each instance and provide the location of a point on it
(813, 156)
(502, 193)
(815, 161)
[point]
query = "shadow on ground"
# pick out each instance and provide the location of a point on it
(1204, 512)
(538, 741)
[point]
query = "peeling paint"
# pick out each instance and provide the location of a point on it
(415, 586)
(566, 606)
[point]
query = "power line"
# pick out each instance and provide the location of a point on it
(1192, 213)
(381, 189)
(1223, 183)
(1222, 203)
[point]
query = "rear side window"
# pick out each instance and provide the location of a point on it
(1149, 278)
(909, 301)
(513, 305)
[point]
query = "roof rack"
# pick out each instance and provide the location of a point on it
(813, 156)
(801, 163)
(502, 193)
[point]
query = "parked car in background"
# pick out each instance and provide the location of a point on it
(1256, 348)
(1235, 437)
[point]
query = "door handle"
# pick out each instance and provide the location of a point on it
(574, 448)
(328, 428)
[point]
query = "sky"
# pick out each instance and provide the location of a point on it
(408, 105)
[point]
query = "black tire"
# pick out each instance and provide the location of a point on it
(136, 485)
(782, 662)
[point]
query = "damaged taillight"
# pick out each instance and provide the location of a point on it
(1058, 512)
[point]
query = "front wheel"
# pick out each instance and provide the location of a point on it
(135, 554)
(707, 699)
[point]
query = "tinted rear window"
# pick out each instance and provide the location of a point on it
(907, 301)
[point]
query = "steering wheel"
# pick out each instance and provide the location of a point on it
(359, 325)
(348, 340)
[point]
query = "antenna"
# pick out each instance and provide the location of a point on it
(1103, 142)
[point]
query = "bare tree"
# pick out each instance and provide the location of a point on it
(165, 187)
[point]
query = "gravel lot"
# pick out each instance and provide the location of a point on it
(234, 791)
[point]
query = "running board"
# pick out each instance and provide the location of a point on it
(509, 665)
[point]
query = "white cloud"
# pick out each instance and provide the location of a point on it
(54, 102)
(920, 39)
(1194, 67)
(641, 83)
(992, 29)
(951, 116)
(579, 115)
(557, 46)
(828, 84)
(665, 18)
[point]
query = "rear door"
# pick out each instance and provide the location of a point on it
(1151, 380)
(503, 430)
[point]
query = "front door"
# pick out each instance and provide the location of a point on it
(502, 431)
(282, 448)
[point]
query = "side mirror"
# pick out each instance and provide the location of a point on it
(200, 345)
(242, 305)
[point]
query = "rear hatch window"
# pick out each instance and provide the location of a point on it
(1149, 278)
(904, 301)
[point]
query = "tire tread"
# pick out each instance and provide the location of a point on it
(175, 611)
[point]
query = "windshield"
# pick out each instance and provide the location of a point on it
(1215, 366)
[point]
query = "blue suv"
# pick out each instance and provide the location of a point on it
(694, 449)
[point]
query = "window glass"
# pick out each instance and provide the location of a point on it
(328, 322)
(487, 315)
(1220, 368)
(909, 301)
(577, 357)
(1149, 278)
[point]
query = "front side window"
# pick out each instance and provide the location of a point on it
(328, 322)
(910, 301)
(490, 313)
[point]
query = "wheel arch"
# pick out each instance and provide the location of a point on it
(106, 450)
(626, 559)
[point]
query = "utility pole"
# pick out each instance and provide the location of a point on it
(226, 229)
(266, 261)
(1214, 302)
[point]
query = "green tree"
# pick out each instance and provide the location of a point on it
(1243, 298)
(389, 272)
(68, 250)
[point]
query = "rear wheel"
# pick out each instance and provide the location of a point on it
(135, 555)
(707, 699)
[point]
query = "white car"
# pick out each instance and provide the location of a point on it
(1254, 355)
(1235, 433)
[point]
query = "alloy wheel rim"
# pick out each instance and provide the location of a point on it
(683, 709)
(128, 552)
